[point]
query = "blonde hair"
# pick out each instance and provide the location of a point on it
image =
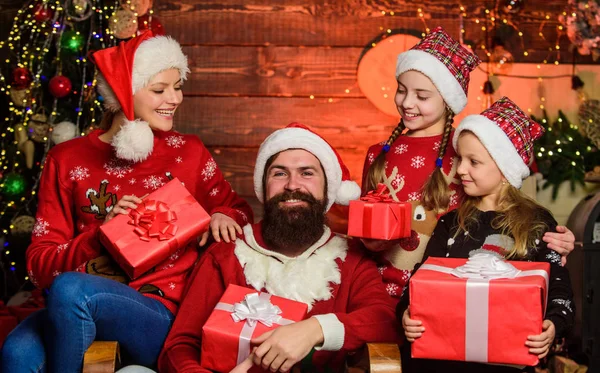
(518, 216)
(436, 191)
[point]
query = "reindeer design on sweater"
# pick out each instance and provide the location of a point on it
(99, 201)
(410, 250)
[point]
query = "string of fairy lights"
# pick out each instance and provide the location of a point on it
(49, 85)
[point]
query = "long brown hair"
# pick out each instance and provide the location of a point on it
(518, 217)
(435, 192)
(107, 118)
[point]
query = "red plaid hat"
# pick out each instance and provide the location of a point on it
(508, 135)
(443, 60)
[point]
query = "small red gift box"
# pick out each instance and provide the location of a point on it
(241, 315)
(378, 216)
(478, 319)
(165, 221)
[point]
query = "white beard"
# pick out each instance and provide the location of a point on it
(134, 141)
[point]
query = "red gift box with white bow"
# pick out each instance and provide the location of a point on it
(241, 315)
(479, 312)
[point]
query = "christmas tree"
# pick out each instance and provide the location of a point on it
(564, 153)
(48, 96)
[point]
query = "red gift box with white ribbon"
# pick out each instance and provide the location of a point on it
(241, 315)
(474, 314)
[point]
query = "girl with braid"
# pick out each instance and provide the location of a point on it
(417, 163)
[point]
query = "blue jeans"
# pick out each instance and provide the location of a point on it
(82, 308)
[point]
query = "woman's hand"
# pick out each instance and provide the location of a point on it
(125, 203)
(413, 329)
(540, 344)
(221, 226)
(562, 242)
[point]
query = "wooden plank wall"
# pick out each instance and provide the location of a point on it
(256, 63)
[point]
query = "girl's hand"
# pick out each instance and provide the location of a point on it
(223, 226)
(125, 203)
(540, 344)
(562, 242)
(413, 329)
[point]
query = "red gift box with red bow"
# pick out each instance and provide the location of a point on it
(165, 221)
(378, 216)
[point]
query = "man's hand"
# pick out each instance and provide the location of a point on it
(562, 242)
(280, 349)
(540, 344)
(223, 226)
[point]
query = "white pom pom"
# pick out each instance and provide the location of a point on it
(348, 191)
(63, 131)
(134, 141)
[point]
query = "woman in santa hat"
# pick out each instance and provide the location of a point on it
(88, 181)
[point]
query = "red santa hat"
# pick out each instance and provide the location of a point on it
(340, 189)
(445, 62)
(508, 135)
(124, 70)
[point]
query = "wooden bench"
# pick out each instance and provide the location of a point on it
(103, 357)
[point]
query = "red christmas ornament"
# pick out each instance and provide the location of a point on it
(155, 25)
(42, 13)
(21, 78)
(59, 86)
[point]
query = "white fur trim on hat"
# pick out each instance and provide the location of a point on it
(300, 138)
(446, 83)
(155, 55)
(497, 144)
(134, 141)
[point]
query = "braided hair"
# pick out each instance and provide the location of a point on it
(376, 172)
(435, 194)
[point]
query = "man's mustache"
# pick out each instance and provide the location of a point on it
(287, 195)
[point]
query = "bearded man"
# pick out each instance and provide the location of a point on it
(291, 254)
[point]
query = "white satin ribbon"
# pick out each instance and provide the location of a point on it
(479, 270)
(253, 309)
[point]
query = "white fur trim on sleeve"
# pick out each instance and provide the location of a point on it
(499, 146)
(333, 332)
(445, 82)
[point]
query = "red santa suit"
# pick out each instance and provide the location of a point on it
(341, 287)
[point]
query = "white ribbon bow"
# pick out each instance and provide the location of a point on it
(255, 308)
(486, 265)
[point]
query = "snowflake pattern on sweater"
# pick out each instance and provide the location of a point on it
(77, 192)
